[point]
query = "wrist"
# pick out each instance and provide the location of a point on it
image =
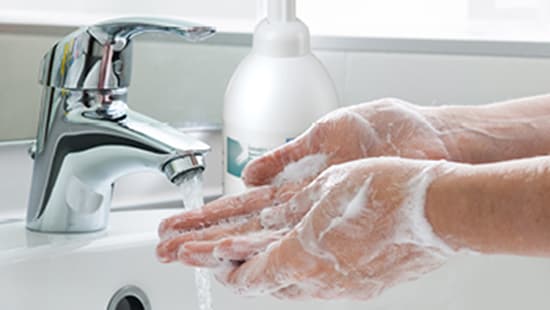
(492, 133)
(469, 135)
(449, 125)
(446, 206)
(497, 208)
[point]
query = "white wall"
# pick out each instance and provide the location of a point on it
(207, 8)
(179, 82)
(460, 19)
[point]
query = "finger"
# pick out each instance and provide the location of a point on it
(167, 249)
(229, 207)
(290, 213)
(248, 237)
(219, 210)
(242, 248)
(263, 170)
(198, 254)
(212, 254)
(316, 194)
(283, 264)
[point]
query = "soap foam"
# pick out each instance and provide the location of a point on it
(412, 229)
(411, 249)
(415, 228)
(354, 208)
(307, 167)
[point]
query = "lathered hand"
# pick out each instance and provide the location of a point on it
(355, 230)
(386, 127)
(380, 128)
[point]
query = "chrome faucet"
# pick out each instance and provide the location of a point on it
(88, 137)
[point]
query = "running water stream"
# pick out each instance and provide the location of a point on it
(191, 191)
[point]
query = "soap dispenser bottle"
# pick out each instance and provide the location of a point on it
(275, 94)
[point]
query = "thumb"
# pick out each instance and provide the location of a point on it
(264, 169)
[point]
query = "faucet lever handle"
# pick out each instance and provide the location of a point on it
(98, 57)
(119, 32)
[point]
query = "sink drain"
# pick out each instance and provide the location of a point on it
(129, 298)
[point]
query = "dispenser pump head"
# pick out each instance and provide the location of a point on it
(281, 11)
(281, 34)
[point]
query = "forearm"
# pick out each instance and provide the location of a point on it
(494, 208)
(502, 131)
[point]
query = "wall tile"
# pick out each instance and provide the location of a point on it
(443, 79)
(177, 82)
(335, 62)
(172, 81)
(19, 88)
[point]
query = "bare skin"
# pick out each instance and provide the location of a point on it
(495, 132)
(499, 208)
(287, 242)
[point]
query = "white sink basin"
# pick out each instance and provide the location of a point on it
(48, 271)
(65, 272)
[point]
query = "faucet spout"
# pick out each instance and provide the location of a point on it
(183, 168)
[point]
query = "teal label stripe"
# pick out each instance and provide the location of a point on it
(239, 155)
(235, 160)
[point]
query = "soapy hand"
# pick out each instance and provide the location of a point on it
(231, 216)
(380, 128)
(355, 230)
(386, 127)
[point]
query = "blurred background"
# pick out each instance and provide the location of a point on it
(426, 51)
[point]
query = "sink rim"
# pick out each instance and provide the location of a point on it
(128, 228)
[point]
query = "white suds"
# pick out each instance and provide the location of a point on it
(307, 167)
(352, 209)
(308, 238)
(415, 228)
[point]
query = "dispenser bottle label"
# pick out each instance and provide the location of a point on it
(239, 154)
(242, 145)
